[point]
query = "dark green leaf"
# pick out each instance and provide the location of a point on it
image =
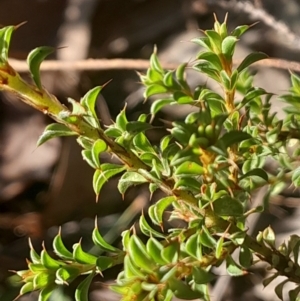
(141, 142)
(296, 177)
(206, 238)
(34, 60)
(258, 172)
(233, 137)
(251, 59)
(226, 206)
(182, 290)
(55, 130)
(137, 127)
(202, 276)
(238, 31)
(246, 257)
(279, 289)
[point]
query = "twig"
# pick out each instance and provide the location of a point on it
(257, 13)
(132, 64)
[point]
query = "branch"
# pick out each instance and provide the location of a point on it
(131, 64)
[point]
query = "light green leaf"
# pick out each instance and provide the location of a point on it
(147, 229)
(81, 293)
(5, 36)
(189, 168)
(60, 249)
(160, 103)
(104, 263)
(55, 130)
(159, 208)
(228, 46)
(128, 179)
(89, 103)
(46, 293)
(170, 253)
(154, 249)
(83, 257)
(232, 267)
(98, 147)
(48, 261)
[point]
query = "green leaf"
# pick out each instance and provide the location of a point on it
(251, 59)
(154, 249)
(193, 246)
(219, 247)
(206, 238)
(138, 253)
(181, 76)
(279, 289)
(228, 46)
(121, 121)
(155, 89)
(83, 257)
(104, 263)
(26, 288)
(87, 156)
(296, 177)
(46, 293)
(42, 280)
(226, 81)
(245, 257)
(147, 230)
(89, 103)
(159, 208)
(257, 172)
(34, 60)
(154, 62)
(189, 168)
(202, 276)
(131, 270)
(113, 132)
(66, 274)
(98, 147)
(60, 249)
(81, 293)
(240, 30)
(128, 179)
(212, 58)
(102, 175)
(137, 127)
(170, 253)
(268, 280)
(170, 82)
(182, 290)
(55, 130)
(34, 256)
(227, 206)
(294, 294)
(232, 267)
(5, 36)
(100, 242)
(215, 40)
(269, 237)
(160, 103)
(233, 137)
(141, 142)
(183, 98)
(48, 261)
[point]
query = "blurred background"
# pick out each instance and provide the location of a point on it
(50, 186)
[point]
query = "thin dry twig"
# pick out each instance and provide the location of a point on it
(258, 13)
(132, 64)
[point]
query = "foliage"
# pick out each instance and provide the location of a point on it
(207, 166)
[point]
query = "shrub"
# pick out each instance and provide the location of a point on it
(207, 166)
